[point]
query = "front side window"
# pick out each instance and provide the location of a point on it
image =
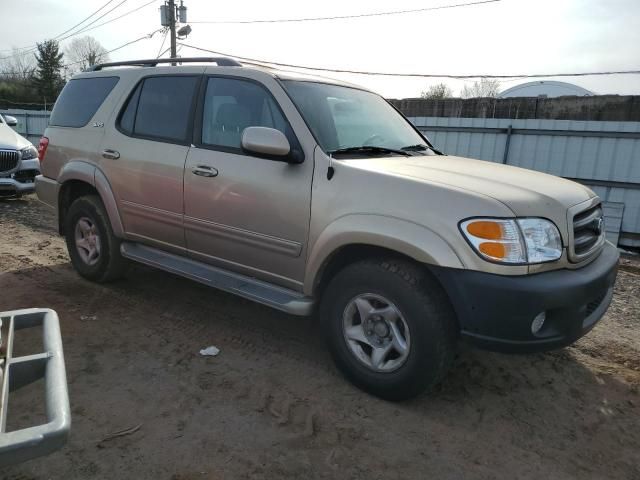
(231, 105)
(80, 100)
(344, 117)
(160, 108)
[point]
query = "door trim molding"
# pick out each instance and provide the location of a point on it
(152, 213)
(248, 237)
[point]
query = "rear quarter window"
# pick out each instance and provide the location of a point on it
(79, 101)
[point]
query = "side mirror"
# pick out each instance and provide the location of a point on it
(265, 141)
(11, 121)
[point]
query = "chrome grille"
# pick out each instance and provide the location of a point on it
(588, 232)
(9, 160)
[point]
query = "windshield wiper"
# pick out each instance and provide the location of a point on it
(416, 148)
(420, 147)
(368, 148)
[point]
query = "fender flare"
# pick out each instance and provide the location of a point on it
(92, 175)
(405, 237)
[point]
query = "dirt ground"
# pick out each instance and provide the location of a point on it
(272, 405)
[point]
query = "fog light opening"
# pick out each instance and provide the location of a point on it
(538, 322)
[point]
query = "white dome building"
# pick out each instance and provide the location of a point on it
(545, 88)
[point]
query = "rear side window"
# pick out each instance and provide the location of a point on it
(79, 101)
(160, 108)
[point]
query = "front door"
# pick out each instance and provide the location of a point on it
(144, 158)
(242, 212)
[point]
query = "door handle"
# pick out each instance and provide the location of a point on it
(205, 171)
(111, 154)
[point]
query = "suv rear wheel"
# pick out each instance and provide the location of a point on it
(92, 246)
(391, 329)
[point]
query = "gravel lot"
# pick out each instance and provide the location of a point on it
(272, 405)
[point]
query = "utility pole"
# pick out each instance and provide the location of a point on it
(170, 15)
(172, 28)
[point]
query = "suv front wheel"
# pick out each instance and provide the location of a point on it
(391, 329)
(92, 246)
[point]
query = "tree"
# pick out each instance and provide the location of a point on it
(438, 91)
(84, 52)
(19, 66)
(48, 80)
(16, 80)
(484, 88)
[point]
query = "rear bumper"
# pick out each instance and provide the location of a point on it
(47, 191)
(495, 311)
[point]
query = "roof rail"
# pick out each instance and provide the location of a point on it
(220, 61)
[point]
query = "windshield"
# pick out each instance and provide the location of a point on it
(343, 117)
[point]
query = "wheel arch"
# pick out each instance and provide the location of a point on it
(79, 178)
(355, 237)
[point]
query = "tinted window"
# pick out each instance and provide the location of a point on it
(163, 108)
(232, 105)
(79, 101)
(129, 113)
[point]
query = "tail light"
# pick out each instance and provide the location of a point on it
(42, 148)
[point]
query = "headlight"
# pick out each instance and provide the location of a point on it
(514, 241)
(29, 153)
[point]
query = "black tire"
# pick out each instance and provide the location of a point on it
(110, 265)
(426, 310)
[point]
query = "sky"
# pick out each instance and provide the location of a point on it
(503, 38)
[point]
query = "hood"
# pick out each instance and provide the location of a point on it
(524, 192)
(11, 140)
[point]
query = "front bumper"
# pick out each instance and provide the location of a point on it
(22, 181)
(496, 311)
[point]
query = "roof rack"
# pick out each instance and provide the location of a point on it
(220, 61)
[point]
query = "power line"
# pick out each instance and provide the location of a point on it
(342, 17)
(164, 39)
(65, 65)
(83, 29)
(80, 23)
(119, 17)
(88, 27)
(420, 75)
(144, 37)
(66, 31)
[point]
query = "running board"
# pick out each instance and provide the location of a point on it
(247, 287)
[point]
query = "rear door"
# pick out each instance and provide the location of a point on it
(144, 156)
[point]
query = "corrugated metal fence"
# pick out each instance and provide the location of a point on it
(31, 123)
(603, 155)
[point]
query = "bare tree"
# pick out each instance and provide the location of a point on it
(19, 67)
(484, 88)
(438, 91)
(83, 52)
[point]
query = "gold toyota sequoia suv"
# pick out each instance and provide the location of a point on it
(317, 197)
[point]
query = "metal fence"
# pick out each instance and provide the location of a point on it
(602, 155)
(31, 123)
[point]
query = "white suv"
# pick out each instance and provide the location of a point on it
(19, 162)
